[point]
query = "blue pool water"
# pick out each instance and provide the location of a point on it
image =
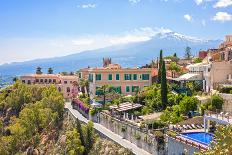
(201, 137)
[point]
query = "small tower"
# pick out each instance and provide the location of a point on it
(106, 62)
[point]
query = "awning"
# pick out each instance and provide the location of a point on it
(189, 77)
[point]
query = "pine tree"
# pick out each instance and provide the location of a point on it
(38, 70)
(160, 66)
(164, 88)
(50, 70)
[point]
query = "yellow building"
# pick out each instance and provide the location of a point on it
(126, 81)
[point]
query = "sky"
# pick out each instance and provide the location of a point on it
(32, 29)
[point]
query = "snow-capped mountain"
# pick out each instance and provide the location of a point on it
(127, 54)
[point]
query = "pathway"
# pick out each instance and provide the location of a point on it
(116, 138)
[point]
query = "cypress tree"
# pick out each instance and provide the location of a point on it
(79, 130)
(160, 67)
(164, 89)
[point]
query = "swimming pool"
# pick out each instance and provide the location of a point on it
(201, 137)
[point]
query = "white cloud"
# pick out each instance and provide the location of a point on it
(80, 42)
(86, 6)
(188, 17)
(134, 1)
(198, 2)
(223, 3)
(222, 17)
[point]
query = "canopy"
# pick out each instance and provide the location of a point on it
(189, 77)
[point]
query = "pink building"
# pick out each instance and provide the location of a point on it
(67, 84)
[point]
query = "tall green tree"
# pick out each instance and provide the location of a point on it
(160, 66)
(73, 143)
(50, 70)
(89, 137)
(164, 88)
(79, 130)
(188, 53)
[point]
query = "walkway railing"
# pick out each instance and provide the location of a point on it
(218, 114)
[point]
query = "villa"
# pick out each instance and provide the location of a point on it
(67, 84)
(217, 62)
(126, 81)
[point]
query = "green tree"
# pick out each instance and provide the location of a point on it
(197, 60)
(73, 143)
(217, 102)
(39, 70)
(50, 70)
(84, 84)
(160, 67)
(104, 91)
(174, 68)
(164, 88)
(188, 104)
(79, 130)
(188, 53)
(89, 137)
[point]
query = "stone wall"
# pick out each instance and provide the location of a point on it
(176, 147)
(227, 106)
(132, 133)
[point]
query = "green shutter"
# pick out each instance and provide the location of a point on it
(145, 76)
(110, 77)
(127, 89)
(98, 77)
(117, 77)
(134, 76)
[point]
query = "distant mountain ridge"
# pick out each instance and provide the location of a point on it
(128, 55)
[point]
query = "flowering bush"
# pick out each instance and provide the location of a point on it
(81, 105)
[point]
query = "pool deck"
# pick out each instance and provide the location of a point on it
(194, 130)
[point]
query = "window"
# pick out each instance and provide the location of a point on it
(110, 77)
(54, 80)
(65, 82)
(41, 80)
(135, 77)
(127, 89)
(23, 81)
(46, 80)
(29, 82)
(127, 76)
(135, 88)
(59, 89)
(50, 80)
(117, 77)
(68, 89)
(90, 77)
(145, 76)
(98, 77)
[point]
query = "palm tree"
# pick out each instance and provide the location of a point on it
(38, 70)
(84, 84)
(50, 70)
(104, 90)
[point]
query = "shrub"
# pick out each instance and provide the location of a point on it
(137, 136)
(124, 128)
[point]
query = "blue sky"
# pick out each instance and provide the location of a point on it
(32, 29)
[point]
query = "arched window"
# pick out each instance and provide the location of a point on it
(68, 89)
